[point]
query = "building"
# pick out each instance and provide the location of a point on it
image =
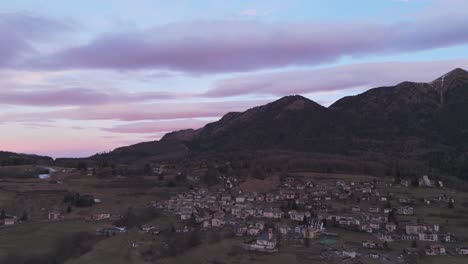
(434, 250)
(414, 229)
(54, 216)
(405, 210)
(101, 216)
(9, 221)
(428, 237)
(311, 232)
(424, 181)
(390, 227)
(266, 242)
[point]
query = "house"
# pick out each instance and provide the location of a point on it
(240, 199)
(266, 242)
(428, 237)
(269, 198)
(405, 210)
(9, 221)
(101, 216)
(272, 213)
(216, 222)
(53, 216)
(283, 228)
(386, 237)
(261, 198)
(462, 251)
(374, 210)
(253, 231)
(310, 232)
(405, 183)
(434, 250)
(424, 181)
(390, 227)
(414, 229)
(298, 216)
(448, 238)
(241, 230)
(404, 200)
(348, 254)
(375, 226)
(369, 244)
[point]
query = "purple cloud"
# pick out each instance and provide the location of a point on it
(20, 31)
(137, 111)
(77, 96)
(338, 78)
(237, 46)
(158, 126)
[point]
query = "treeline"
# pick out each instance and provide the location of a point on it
(11, 159)
(21, 173)
(136, 217)
(75, 199)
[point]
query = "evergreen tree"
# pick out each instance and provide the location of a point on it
(451, 204)
(24, 217)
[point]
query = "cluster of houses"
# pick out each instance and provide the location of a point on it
(302, 210)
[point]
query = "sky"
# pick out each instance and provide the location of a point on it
(82, 77)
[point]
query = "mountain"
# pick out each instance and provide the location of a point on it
(10, 158)
(422, 122)
(430, 111)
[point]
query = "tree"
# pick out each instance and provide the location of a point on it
(2, 214)
(194, 239)
(147, 169)
(306, 242)
(82, 166)
(451, 205)
(385, 245)
(181, 177)
(193, 219)
(211, 177)
(294, 205)
(24, 217)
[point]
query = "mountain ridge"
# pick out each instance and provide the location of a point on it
(418, 121)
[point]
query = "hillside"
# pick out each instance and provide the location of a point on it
(422, 122)
(10, 158)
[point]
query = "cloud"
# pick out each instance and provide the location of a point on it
(238, 46)
(136, 111)
(77, 96)
(364, 76)
(21, 31)
(249, 13)
(158, 126)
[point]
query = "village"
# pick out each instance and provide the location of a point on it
(300, 211)
(356, 219)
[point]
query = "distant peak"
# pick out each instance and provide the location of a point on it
(455, 73)
(458, 71)
(295, 102)
(441, 84)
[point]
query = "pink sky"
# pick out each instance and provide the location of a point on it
(80, 78)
